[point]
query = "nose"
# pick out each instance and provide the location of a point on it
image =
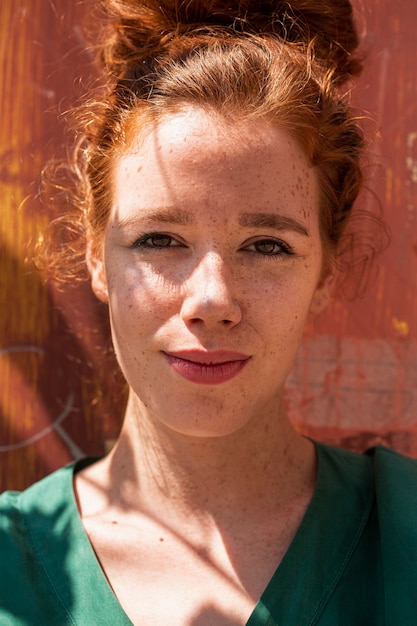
(209, 292)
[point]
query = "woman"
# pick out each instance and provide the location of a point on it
(218, 179)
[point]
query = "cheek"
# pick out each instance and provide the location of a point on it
(141, 304)
(140, 289)
(284, 307)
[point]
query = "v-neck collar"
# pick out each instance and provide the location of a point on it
(297, 592)
(62, 547)
(324, 543)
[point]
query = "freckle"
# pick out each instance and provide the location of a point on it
(114, 522)
(161, 539)
(139, 169)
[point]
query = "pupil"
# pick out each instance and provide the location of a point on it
(161, 240)
(266, 246)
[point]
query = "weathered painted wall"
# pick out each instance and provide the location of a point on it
(355, 380)
(53, 405)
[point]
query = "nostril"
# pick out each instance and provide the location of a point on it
(199, 320)
(208, 303)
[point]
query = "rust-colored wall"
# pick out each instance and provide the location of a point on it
(57, 396)
(355, 380)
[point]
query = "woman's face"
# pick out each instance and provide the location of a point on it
(212, 261)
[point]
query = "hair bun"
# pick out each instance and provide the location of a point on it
(140, 29)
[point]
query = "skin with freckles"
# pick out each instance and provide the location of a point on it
(210, 264)
(212, 245)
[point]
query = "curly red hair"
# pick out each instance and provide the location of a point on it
(244, 59)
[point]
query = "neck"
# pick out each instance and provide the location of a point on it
(152, 466)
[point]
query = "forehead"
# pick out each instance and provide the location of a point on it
(195, 154)
(196, 128)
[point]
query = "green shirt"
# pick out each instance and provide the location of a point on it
(353, 561)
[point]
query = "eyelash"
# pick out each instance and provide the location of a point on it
(143, 242)
(283, 248)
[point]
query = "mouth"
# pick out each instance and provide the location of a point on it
(207, 368)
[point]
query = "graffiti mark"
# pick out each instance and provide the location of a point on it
(56, 425)
(12, 349)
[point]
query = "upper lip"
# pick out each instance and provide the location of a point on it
(213, 357)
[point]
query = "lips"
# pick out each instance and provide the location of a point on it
(207, 368)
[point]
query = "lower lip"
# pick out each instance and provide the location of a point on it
(206, 374)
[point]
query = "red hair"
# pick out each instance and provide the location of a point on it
(283, 61)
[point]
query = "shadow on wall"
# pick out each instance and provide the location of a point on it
(60, 398)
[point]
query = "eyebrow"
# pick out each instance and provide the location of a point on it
(164, 215)
(173, 215)
(272, 220)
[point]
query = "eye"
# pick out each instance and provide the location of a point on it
(156, 240)
(270, 247)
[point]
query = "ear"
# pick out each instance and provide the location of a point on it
(323, 291)
(95, 265)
